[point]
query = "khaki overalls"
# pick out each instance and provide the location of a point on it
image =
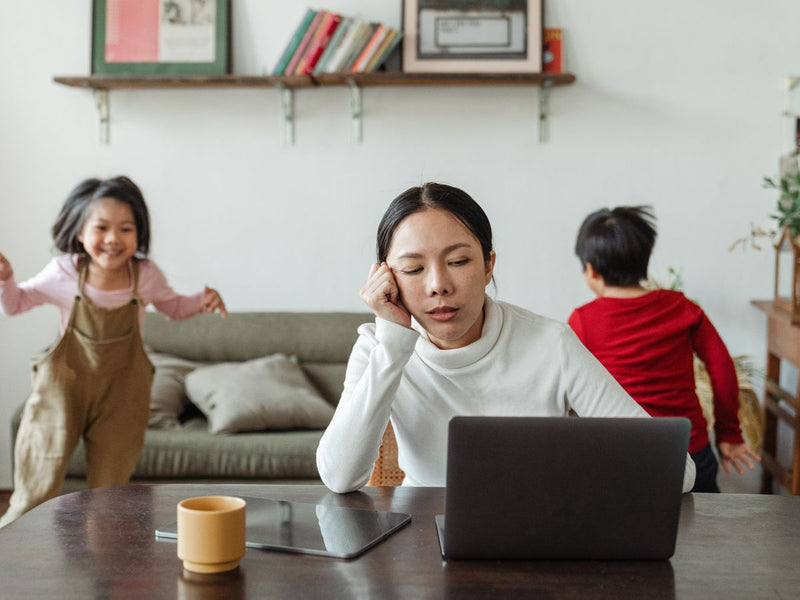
(94, 383)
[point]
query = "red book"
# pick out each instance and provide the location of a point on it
(552, 58)
(301, 49)
(316, 46)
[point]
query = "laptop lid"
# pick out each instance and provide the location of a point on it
(563, 487)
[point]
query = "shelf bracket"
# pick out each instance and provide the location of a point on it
(104, 114)
(355, 107)
(544, 110)
(287, 104)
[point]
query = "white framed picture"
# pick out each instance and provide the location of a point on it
(472, 36)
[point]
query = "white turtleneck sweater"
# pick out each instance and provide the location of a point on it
(522, 365)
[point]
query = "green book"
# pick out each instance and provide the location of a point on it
(291, 47)
(387, 52)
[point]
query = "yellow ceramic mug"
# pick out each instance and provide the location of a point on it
(211, 533)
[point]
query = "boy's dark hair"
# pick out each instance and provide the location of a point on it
(76, 207)
(435, 195)
(617, 243)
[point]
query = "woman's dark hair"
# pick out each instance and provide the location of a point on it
(617, 243)
(75, 210)
(435, 195)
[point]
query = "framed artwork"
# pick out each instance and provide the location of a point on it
(472, 36)
(151, 37)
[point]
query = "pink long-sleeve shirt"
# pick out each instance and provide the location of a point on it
(57, 284)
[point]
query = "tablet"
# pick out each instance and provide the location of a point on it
(321, 529)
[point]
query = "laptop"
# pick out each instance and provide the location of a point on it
(553, 488)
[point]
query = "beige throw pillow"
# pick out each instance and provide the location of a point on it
(168, 397)
(271, 392)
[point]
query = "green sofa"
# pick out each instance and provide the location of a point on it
(190, 453)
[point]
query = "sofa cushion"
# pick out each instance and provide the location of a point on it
(168, 398)
(191, 452)
(271, 392)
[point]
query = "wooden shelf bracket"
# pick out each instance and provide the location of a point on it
(104, 115)
(287, 106)
(544, 110)
(355, 108)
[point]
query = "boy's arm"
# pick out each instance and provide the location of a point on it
(724, 382)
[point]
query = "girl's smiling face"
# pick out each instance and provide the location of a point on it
(442, 276)
(109, 235)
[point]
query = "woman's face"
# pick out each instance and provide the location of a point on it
(441, 274)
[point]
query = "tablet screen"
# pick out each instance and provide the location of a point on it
(320, 529)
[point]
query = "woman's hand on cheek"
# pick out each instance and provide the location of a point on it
(382, 294)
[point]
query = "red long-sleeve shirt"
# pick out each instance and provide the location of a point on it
(647, 344)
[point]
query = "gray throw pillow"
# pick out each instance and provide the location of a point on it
(168, 397)
(271, 392)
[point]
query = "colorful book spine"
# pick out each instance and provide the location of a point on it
(341, 55)
(294, 42)
(373, 63)
(552, 57)
(317, 45)
(333, 45)
(370, 48)
(301, 48)
(364, 37)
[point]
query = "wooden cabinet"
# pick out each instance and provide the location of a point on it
(783, 343)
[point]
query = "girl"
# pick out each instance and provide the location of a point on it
(95, 381)
(440, 347)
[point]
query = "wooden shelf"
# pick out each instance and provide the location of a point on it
(101, 84)
(110, 82)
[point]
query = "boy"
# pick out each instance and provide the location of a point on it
(646, 339)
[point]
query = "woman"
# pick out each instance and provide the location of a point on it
(440, 347)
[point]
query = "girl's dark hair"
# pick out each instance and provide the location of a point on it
(75, 211)
(435, 195)
(617, 243)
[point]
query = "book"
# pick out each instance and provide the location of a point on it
(363, 38)
(333, 45)
(378, 55)
(369, 49)
(317, 44)
(552, 56)
(294, 41)
(303, 45)
(351, 37)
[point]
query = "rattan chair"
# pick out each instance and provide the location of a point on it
(386, 471)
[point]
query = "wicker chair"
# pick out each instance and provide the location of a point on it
(386, 471)
(751, 418)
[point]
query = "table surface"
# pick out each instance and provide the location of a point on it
(101, 544)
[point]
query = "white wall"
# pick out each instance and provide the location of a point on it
(676, 104)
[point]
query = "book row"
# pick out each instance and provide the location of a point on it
(326, 42)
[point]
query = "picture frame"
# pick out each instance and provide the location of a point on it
(472, 36)
(161, 37)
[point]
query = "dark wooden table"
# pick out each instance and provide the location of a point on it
(101, 544)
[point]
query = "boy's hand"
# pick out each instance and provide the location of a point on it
(736, 455)
(212, 302)
(5, 269)
(382, 295)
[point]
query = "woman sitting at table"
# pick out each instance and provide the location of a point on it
(440, 347)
